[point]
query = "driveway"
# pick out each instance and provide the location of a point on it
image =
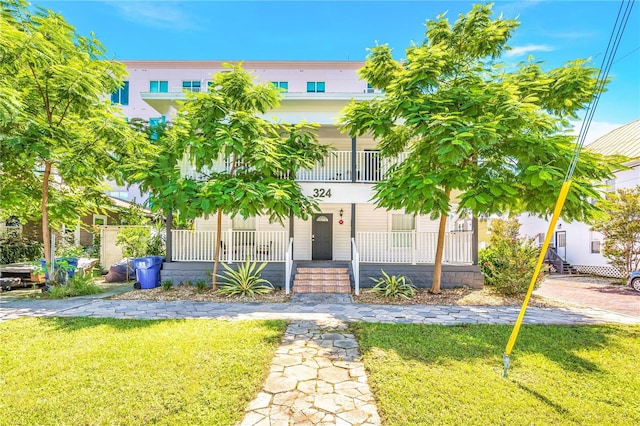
(592, 292)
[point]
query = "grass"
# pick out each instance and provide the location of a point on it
(80, 371)
(430, 375)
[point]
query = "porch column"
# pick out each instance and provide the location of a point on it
(353, 220)
(474, 240)
(169, 239)
(353, 164)
(291, 225)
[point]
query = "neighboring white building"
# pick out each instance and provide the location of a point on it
(349, 228)
(575, 241)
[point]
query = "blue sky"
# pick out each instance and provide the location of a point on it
(552, 31)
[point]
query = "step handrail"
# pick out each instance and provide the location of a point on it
(288, 267)
(355, 266)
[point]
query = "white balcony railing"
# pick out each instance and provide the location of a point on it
(236, 246)
(336, 167)
(414, 247)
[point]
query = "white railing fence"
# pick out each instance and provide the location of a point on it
(335, 167)
(236, 246)
(288, 267)
(355, 265)
(414, 247)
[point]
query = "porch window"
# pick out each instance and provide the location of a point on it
(191, 86)
(244, 230)
(282, 85)
(402, 226)
(596, 241)
(315, 86)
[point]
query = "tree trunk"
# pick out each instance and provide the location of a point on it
(437, 267)
(46, 234)
(216, 260)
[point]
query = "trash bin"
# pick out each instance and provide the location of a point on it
(148, 271)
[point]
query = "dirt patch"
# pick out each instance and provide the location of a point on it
(188, 292)
(452, 297)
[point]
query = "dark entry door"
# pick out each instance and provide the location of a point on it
(322, 237)
(561, 244)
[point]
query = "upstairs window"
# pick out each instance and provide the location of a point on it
(315, 86)
(157, 86)
(191, 86)
(596, 241)
(121, 96)
(369, 88)
(282, 85)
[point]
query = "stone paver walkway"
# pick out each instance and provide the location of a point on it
(316, 378)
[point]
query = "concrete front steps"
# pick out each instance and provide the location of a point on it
(311, 279)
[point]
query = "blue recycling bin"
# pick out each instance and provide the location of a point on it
(148, 271)
(71, 261)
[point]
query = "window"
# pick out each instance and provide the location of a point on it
(402, 227)
(369, 88)
(121, 195)
(596, 242)
(154, 122)
(244, 230)
(156, 86)
(121, 96)
(282, 85)
(191, 86)
(315, 86)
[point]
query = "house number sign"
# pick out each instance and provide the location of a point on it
(322, 193)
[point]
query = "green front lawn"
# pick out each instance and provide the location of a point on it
(81, 371)
(429, 375)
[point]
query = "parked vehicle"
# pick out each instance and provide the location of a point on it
(633, 280)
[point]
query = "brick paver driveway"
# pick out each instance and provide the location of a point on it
(592, 292)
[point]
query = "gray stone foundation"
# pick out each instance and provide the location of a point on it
(179, 272)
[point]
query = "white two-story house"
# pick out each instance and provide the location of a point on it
(349, 230)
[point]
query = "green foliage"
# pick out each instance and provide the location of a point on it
(54, 118)
(170, 372)
(509, 262)
(495, 136)
(166, 285)
(81, 284)
(14, 248)
(133, 241)
(244, 282)
(621, 229)
(200, 286)
(451, 375)
(133, 215)
(68, 250)
(157, 242)
(399, 287)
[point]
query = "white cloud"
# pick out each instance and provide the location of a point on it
(597, 129)
(157, 14)
(523, 50)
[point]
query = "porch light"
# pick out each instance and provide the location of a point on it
(341, 213)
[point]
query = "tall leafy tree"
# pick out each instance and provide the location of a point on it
(621, 229)
(493, 134)
(59, 136)
(261, 157)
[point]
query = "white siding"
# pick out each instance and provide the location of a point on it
(301, 239)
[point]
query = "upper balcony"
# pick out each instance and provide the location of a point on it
(332, 102)
(338, 166)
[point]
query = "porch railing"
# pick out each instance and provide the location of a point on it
(236, 246)
(355, 265)
(336, 167)
(414, 247)
(288, 267)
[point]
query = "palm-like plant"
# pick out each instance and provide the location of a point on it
(393, 286)
(245, 281)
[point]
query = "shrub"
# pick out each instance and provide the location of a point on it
(399, 287)
(80, 285)
(14, 248)
(166, 285)
(510, 260)
(245, 281)
(201, 285)
(133, 241)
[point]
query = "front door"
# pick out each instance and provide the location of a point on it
(561, 244)
(322, 237)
